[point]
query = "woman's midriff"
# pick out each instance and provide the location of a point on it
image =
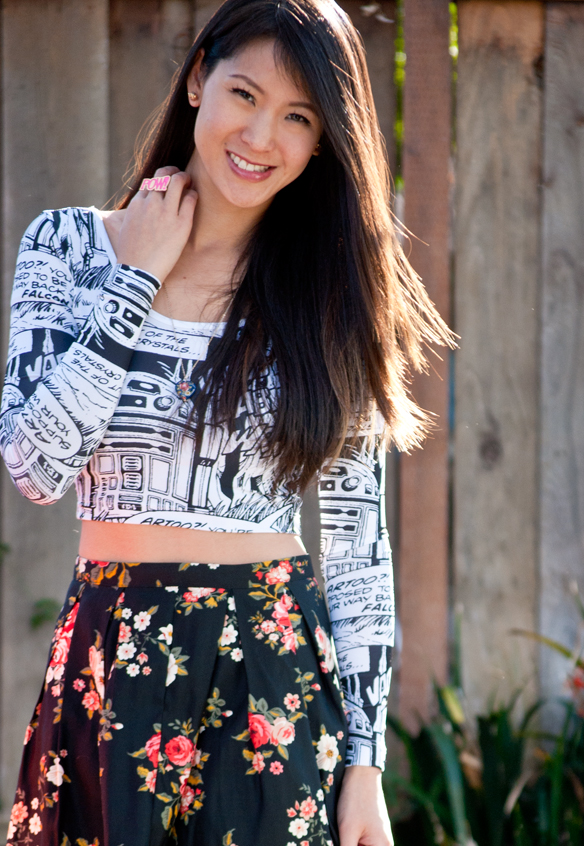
(129, 543)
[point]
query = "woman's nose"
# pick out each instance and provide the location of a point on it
(259, 133)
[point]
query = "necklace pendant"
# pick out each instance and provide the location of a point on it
(185, 389)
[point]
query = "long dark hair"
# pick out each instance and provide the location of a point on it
(326, 292)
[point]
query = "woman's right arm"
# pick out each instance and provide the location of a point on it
(62, 381)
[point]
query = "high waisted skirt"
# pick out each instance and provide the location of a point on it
(186, 703)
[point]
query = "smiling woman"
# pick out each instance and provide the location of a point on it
(244, 322)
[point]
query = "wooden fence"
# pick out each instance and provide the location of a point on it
(489, 518)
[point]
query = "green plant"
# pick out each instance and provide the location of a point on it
(493, 780)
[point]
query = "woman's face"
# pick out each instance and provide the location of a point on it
(255, 130)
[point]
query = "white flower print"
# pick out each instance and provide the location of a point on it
(126, 613)
(126, 651)
(34, 803)
(172, 588)
(172, 669)
(132, 670)
(56, 772)
(166, 634)
(236, 654)
(320, 795)
(35, 824)
(231, 603)
(323, 815)
(142, 621)
(298, 827)
(212, 566)
(327, 753)
(228, 635)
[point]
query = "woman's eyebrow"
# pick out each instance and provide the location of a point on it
(300, 104)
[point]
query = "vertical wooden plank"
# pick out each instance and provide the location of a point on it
(55, 127)
(148, 41)
(499, 111)
(562, 376)
(423, 592)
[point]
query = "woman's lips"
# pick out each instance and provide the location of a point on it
(250, 175)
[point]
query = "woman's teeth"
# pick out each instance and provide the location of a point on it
(247, 165)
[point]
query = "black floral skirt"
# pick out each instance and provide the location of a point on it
(186, 703)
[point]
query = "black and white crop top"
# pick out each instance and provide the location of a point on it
(89, 397)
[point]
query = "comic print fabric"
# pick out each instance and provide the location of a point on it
(90, 399)
(240, 735)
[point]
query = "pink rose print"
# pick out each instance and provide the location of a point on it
(142, 658)
(97, 670)
(258, 762)
(91, 700)
(282, 732)
(308, 808)
(194, 594)
(276, 768)
(281, 609)
(62, 645)
(125, 633)
(153, 748)
(79, 685)
(151, 781)
(179, 750)
(268, 626)
(187, 796)
(289, 639)
(27, 734)
(259, 730)
(329, 779)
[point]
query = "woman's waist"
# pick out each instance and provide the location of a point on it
(105, 541)
(186, 575)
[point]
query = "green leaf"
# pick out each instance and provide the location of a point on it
(547, 641)
(454, 782)
(164, 797)
(283, 751)
(166, 817)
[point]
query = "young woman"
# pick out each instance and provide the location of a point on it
(191, 361)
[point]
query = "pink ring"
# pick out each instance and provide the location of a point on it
(157, 183)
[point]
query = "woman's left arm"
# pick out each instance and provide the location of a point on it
(358, 577)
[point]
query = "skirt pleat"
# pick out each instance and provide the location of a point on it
(190, 704)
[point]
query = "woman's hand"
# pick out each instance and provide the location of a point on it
(157, 225)
(362, 813)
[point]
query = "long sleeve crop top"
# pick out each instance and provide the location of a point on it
(89, 398)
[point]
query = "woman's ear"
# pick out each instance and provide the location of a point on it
(195, 80)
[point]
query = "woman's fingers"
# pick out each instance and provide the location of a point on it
(157, 223)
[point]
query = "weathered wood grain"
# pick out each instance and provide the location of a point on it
(148, 42)
(562, 375)
(497, 271)
(55, 130)
(423, 560)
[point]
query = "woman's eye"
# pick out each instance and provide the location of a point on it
(243, 93)
(299, 118)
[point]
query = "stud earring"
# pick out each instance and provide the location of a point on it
(317, 150)
(193, 98)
